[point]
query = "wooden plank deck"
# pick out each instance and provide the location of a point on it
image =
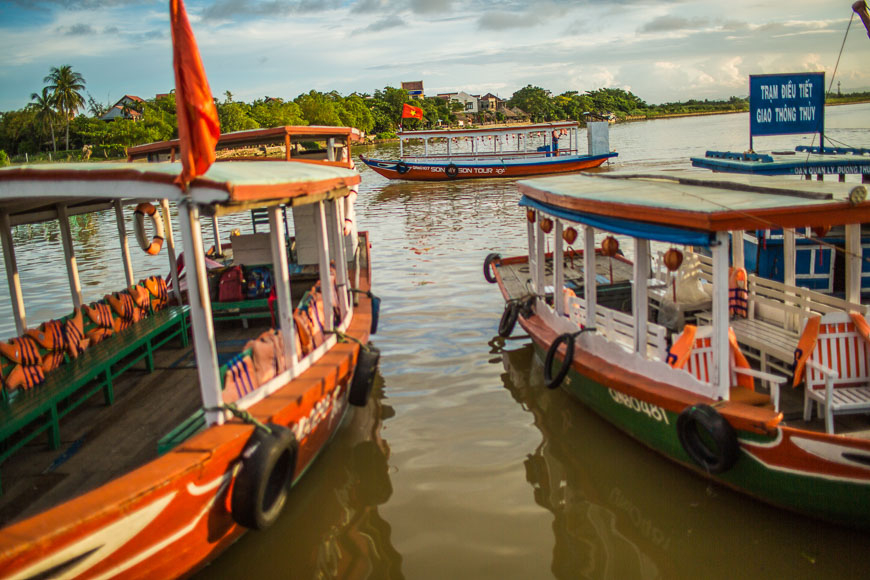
(517, 277)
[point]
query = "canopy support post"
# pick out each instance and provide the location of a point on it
(854, 258)
(533, 263)
(558, 270)
(282, 286)
(540, 258)
(336, 241)
(323, 255)
(204, 346)
(721, 375)
(639, 299)
(217, 236)
(12, 277)
(75, 285)
(169, 238)
(738, 257)
(789, 252)
(125, 246)
(590, 284)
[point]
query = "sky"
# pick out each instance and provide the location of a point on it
(661, 50)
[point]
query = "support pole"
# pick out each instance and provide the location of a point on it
(75, 285)
(639, 299)
(282, 286)
(204, 346)
(320, 224)
(533, 253)
(12, 277)
(590, 283)
(336, 241)
(854, 258)
(169, 239)
(125, 246)
(789, 254)
(738, 258)
(558, 270)
(720, 375)
(541, 258)
(217, 236)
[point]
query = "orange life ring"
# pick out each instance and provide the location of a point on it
(805, 347)
(153, 246)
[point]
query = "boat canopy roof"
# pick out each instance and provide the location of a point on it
(255, 137)
(487, 131)
(31, 193)
(688, 207)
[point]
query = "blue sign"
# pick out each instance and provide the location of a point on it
(784, 104)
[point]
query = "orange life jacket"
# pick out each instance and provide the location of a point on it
(738, 292)
(22, 350)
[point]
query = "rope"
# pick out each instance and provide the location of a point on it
(242, 414)
(342, 337)
(834, 75)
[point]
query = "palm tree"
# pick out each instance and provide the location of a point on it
(45, 113)
(65, 85)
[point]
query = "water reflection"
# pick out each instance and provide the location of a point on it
(331, 527)
(621, 511)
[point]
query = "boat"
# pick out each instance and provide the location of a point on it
(205, 424)
(691, 393)
(512, 151)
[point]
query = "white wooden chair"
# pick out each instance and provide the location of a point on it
(742, 390)
(838, 370)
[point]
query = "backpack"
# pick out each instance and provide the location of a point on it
(230, 287)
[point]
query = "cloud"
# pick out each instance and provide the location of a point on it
(674, 24)
(506, 20)
(234, 10)
(385, 23)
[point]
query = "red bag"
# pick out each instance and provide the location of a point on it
(231, 285)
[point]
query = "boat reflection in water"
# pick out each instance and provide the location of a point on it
(331, 527)
(620, 512)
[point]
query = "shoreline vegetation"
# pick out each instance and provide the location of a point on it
(61, 115)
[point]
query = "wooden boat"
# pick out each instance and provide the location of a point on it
(690, 393)
(236, 435)
(515, 151)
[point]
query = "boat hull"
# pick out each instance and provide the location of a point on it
(173, 515)
(448, 171)
(824, 476)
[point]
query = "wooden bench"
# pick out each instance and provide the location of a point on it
(775, 316)
(241, 310)
(699, 364)
(838, 370)
(617, 326)
(32, 412)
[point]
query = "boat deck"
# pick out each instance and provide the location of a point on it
(100, 442)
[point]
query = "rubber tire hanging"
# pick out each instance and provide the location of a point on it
(724, 451)
(508, 318)
(364, 375)
(451, 171)
(551, 381)
(261, 488)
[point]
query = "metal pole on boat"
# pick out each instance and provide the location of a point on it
(330, 149)
(12, 277)
(558, 270)
(69, 253)
(323, 256)
(169, 238)
(204, 346)
(531, 226)
(336, 241)
(640, 300)
(738, 259)
(217, 236)
(540, 257)
(125, 246)
(721, 374)
(789, 253)
(590, 283)
(282, 286)
(854, 258)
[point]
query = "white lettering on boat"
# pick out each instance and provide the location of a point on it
(652, 411)
(329, 406)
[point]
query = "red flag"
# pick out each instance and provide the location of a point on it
(411, 112)
(198, 125)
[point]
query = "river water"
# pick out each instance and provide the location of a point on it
(464, 465)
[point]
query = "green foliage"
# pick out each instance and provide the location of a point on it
(4, 159)
(276, 113)
(235, 116)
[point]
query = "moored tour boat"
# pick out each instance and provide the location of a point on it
(690, 392)
(193, 445)
(512, 151)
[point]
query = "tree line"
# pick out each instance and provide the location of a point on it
(62, 109)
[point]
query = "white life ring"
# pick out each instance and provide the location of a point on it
(153, 246)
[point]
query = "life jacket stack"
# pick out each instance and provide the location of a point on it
(738, 292)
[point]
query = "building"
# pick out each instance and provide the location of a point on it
(126, 108)
(491, 103)
(414, 88)
(469, 102)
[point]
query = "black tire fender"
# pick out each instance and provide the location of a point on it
(553, 382)
(708, 438)
(508, 319)
(451, 171)
(488, 267)
(261, 487)
(401, 168)
(364, 376)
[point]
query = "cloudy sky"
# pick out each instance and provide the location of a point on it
(661, 50)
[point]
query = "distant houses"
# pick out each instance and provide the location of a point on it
(126, 108)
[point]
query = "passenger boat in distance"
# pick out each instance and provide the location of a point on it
(690, 393)
(510, 151)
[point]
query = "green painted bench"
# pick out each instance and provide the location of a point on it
(40, 409)
(241, 310)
